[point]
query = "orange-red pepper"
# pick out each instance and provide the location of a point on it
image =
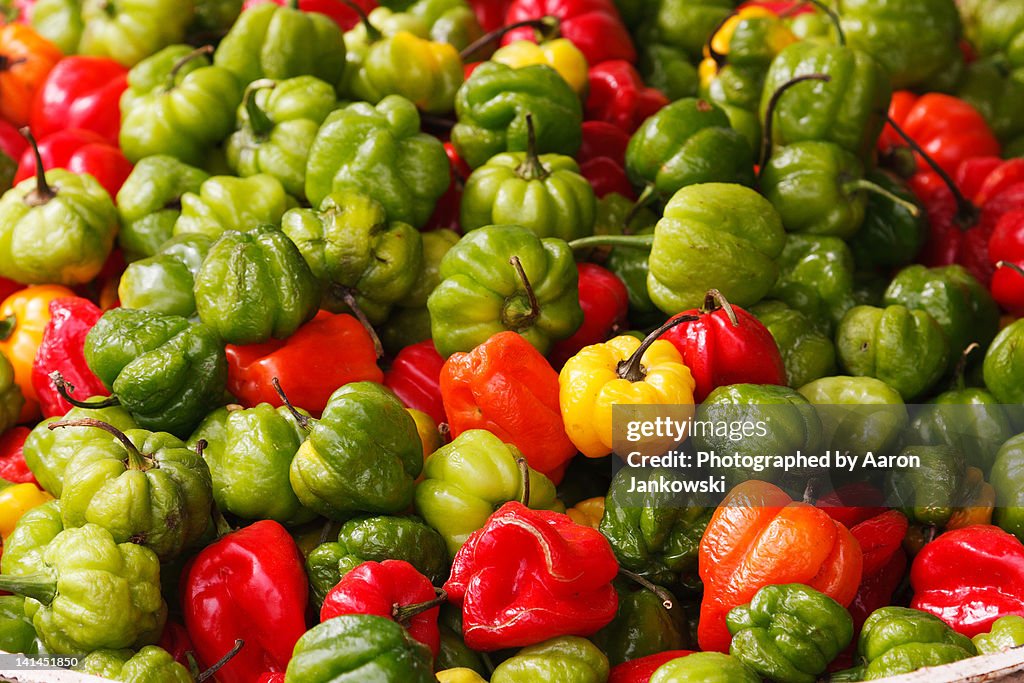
(25, 60)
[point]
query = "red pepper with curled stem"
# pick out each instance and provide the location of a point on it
(79, 151)
(594, 26)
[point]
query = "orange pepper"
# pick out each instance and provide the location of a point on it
(23, 318)
(758, 536)
(25, 60)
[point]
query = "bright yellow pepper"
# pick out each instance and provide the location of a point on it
(460, 675)
(560, 54)
(622, 371)
(16, 500)
(587, 512)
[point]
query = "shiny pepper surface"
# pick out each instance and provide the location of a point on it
(426, 72)
(568, 659)
(151, 663)
(897, 640)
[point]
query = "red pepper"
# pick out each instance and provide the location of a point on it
(641, 670)
(175, 640)
(602, 158)
(853, 503)
(726, 345)
(594, 26)
(1006, 252)
(12, 460)
(343, 15)
(83, 93)
(605, 303)
(19, 11)
(877, 588)
(79, 151)
(880, 538)
(391, 589)
(270, 678)
(490, 13)
(506, 387)
(415, 378)
(970, 577)
(972, 173)
(63, 350)
(446, 212)
(329, 351)
(12, 143)
(530, 575)
(250, 584)
(618, 95)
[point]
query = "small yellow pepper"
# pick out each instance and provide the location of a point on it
(460, 675)
(560, 54)
(587, 512)
(16, 500)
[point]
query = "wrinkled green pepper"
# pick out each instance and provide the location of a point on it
(151, 664)
(227, 203)
(667, 69)
(862, 413)
(642, 626)
(897, 640)
(816, 278)
(164, 283)
(1004, 364)
(998, 94)
(24, 547)
(930, 492)
(454, 651)
(567, 659)
(968, 419)
(451, 21)
(807, 352)
(688, 24)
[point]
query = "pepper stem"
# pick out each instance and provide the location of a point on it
(203, 51)
(531, 168)
(259, 122)
(403, 613)
(715, 300)
(868, 186)
(1000, 264)
(644, 200)
(634, 241)
(547, 26)
(967, 213)
(65, 388)
(632, 368)
(961, 366)
(667, 601)
(348, 295)
(200, 447)
(36, 586)
(136, 460)
(299, 417)
(221, 662)
(43, 192)
(526, 320)
(524, 473)
(833, 16)
(372, 34)
(7, 327)
(773, 103)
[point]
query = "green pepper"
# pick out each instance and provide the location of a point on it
(363, 455)
(931, 488)
(667, 69)
(997, 93)
(354, 250)
(379, 150)
(277, 123)
(177, 104)
(864, 414)
(848, 110)
(642, 626)
(375, 539)
(629, 263)
(996, 27)
(807, 353)
(789, 633)
(897, 640)
(1004, 364)
(17, 634)
(127, 32)
(890, 235)
(24, 547)
(705, 667)
(454, 651)
(471, 477)
(164, 283)
(214, 17)
(225, 203)
(653, 534)
(149, 203)
(1006, 633)
(359, 647)
(960, 304)
(451, 21)
(254, 286)
(567, 659)
(48, 451)
(11, 398)
(687, 24)
(816, 278)
(492, 108)
(1007, 477)
(280, 42)
(89, 592)
(249, 453)
(151, 664)
(169, 373)
(686, 143)
(503, 277)
(914, 40)
(57, 228)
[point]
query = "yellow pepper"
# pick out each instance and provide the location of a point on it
(587, 512)
(16, 500)
(623, 371)
(560, 54)
(981, 500)
(460, 675)
(778, 37)
(429, 435)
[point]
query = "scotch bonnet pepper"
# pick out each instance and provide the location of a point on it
(165, 282)
(560, 54)
(642, 626)
(567, 658)
(807, 353)
(1007, 476)
(594, 26)
(228, 203)
(1007, 633)
(1004, 366)
(706, 667)
(816, 278)
(151, 663)
(898, 640)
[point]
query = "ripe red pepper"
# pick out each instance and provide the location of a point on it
(726, 345)
(83, 93)
(530, 575)
(12, 461)
(880, 538)
(63, 350)
(641, 670)
(175, 640)
(602, 158)
(415, 378)
(853, 503)
(618, 95)
(876, 589)
(270, 678)
(594, 26)
(446, 212)
(506, 387)
(490, 13)
(391, 589)
(605, 303)
(343, 15)
(250, 584)
(308, 363)
(79, 151)
(970, 577)
(12, 143)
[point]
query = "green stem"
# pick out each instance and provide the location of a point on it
(645, 199)
(524, 472)
(634, 241)
(206, 675)
(715, 300)
(372, 34)
(259, 122)
(303, 420)
(773, 103)
(65, 388)
(403, 613)
(868, 186)
(548, 27)
(43, 192)
(961, 366)
(531, 168)
(836, 21)
(36, 586)
(666, 598)
(136, 460)
(172, 77)
(632, 368)
(525, 321)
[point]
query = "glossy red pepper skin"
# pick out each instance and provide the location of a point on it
(342, 15)
(12, 143)
(380, 589)
(490, 13)
(618, 95)
(12, 461)
(81, 92)
(880, 538)
(594, 26)
(602, 158)
(415, 378)
(249, 584)
(605, 303)
(520, 579)
(270, 678)
(722, 349)
(79, 151)
(641, 670)
(329, 351)
(1007, 246)
(63, 350)
(175, 640)
(506, 387)
(970, 577)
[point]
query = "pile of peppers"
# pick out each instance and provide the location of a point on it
(314, 316)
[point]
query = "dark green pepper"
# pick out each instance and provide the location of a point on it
(227, 203)
(816, 278)
(668, 69)
(567, 659)
(164, 283)
(807, 352)
(890, 234)
(151, 664)
(932, 486)
(688, 24)
(450, 21)
(642, 626)
(898, 640)
(17, 634)
(631, 266)
(997, 93)
(454, 651)
(1004, 364)
(1007, 477)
